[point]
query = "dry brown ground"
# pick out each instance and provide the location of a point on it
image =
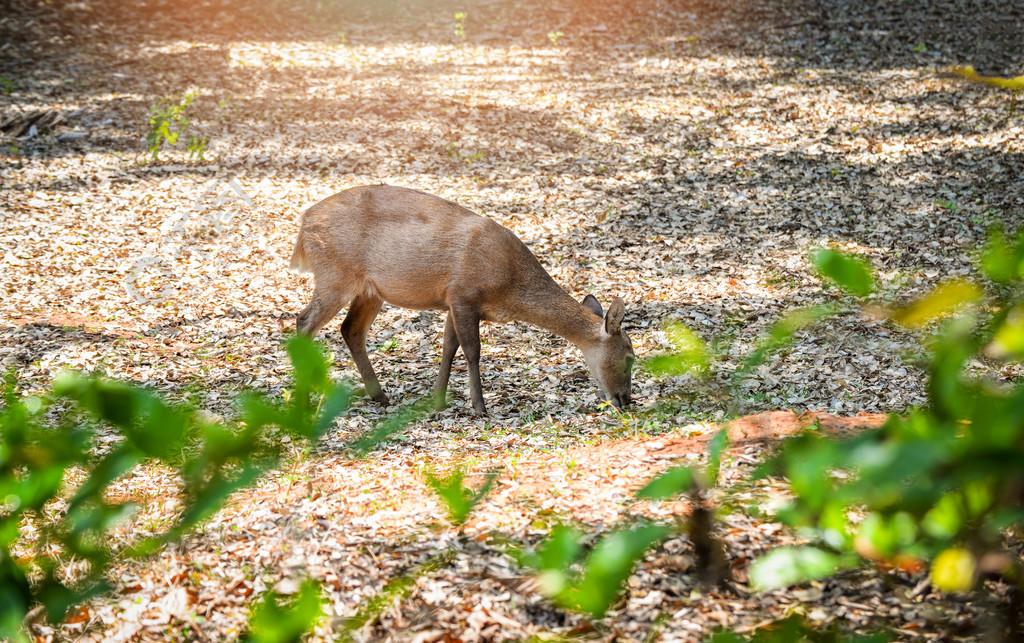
(683, 154)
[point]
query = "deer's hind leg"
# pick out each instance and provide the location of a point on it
(324, 305)
(361, 313)
(451, 344)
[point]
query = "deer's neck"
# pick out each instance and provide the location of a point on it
(554, 310)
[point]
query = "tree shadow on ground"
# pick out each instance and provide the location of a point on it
(118, 124)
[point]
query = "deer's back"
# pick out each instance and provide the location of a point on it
(410, 248)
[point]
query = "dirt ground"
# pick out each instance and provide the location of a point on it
(685, 155)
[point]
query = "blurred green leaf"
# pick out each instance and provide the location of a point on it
(781, 334)
(716, 447)
(151, 426)
(309, 363)
(16, 597)
(213, 460)
(33, 404)
(590, 586)
(948, 393)
(58, 598)
(1002, 261)
(559, 550)
(668, 484)
(689, 353)
(279, 619)
(207, 497)
(395, 589)
(334, 402)
(888, 534)
(795, 630)
(945, 519)
(848, 272)
(1009, 336)
(110, 468)
(787, 566)
(394, 424)
(608, 567)
(311, 406)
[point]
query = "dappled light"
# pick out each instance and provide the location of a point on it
(794, 199)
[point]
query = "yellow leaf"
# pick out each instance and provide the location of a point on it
(1013, 84)
(953, 570)
(1009, 338)
(944, 299)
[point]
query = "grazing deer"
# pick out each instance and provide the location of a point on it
(378, 243)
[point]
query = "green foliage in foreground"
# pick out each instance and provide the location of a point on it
(941, 485)
(277, 620)
(937, 489)
(591, 582)
(73, 522)
(395, 589)
(591, 579)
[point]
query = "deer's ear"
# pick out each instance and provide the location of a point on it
(616, 312)
(590, 303)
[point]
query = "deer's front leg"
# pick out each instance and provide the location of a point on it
(467, 330)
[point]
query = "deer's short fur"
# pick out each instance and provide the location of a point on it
(372, 244)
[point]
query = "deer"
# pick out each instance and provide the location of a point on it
(373, 244)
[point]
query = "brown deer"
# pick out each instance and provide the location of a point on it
(378, 243)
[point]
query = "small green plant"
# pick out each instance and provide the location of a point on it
(553, 36)
(460, 25)
(279, 619)
(168, 120)
(389, 345)
(459, 500)
(196, 146)
(6, 85)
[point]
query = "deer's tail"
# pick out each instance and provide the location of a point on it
(299, 263)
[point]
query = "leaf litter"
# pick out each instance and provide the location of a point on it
(684, 155)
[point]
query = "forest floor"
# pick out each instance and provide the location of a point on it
(683, 154)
